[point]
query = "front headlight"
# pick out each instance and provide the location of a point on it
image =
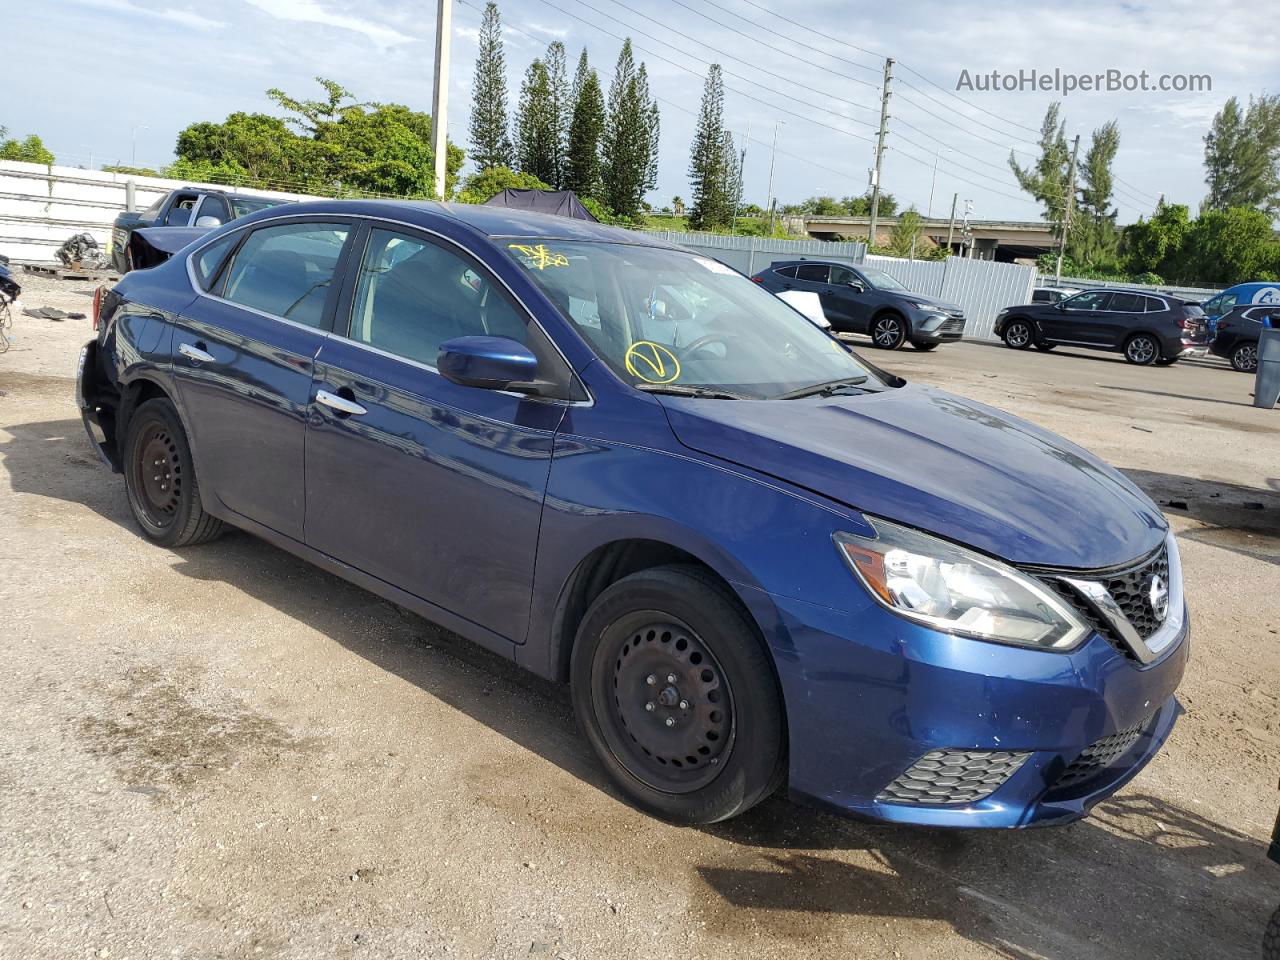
(949, 588)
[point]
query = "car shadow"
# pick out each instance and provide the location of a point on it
(1142, 877)
(1244, 402)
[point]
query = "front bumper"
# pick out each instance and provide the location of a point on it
(936, 327)
(869, 695)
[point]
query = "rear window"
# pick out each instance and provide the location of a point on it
(1193, 310)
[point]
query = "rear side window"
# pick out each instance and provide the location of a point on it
(209, 261)
(813, 272)
(1127, 303)
(1041, 296)
(287, 270)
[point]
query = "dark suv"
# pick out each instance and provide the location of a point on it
(867, 300)
(1145, 327)
(1238, 331)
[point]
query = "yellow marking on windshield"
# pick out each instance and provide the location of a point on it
(539, 257)
(652, 362)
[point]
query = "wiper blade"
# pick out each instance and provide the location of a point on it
(686, 390)
(821, 389)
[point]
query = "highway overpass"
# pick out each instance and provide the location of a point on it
(1003, 240)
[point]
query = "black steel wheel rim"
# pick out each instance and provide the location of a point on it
(663, 702)
(888, 332)
(157, 475)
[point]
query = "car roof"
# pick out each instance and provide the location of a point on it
(818, 260)
(489, 221)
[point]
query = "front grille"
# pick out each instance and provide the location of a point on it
(952, 326)
(953, 777)
(1100, 754)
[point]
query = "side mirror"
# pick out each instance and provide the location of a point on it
(208, 221)
(491, 363)
(856, 287)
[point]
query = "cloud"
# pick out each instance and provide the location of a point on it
(310, 11)
(184, 18)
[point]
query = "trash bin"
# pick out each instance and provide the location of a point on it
(1266, 389)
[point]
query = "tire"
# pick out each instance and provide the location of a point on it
(1017, 335)
(925, 347)
(1142, 349)
(160, 479)
(888, 331)
(1166, 361)
(1046, 347)
(1271, 938)
(698, 749)
(1244, 358)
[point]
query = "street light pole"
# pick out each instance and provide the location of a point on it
(934, 182)
(440, 95)
(773, 154)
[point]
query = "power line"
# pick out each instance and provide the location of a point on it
(989, 113)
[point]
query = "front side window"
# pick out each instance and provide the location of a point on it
(179, 214)
(664, 319)
(813, 272)
(412, 295)
(1087, 301)
(287, 270)
(882, 281)
(844, 276)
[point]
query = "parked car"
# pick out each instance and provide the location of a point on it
(1238, 333)
(187, 207)
(1241, 295)
(866, 300)
(754, 557)
(1146, 328)
(1052, 294)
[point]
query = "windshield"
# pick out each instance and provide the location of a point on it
(243, 206)
(881, 280)
(670, 320)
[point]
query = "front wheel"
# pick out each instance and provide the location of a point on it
(888, 332)
(160, 479)
(1017, 335)
(1142, 349)
(1271, 938)
(1046, 347)
(926, 347)
(1244, 358)
(673, 687)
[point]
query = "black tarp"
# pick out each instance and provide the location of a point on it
(561, 203)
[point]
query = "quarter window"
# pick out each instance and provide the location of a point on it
(412, 295)
(1154, 305)
(287, 270)
(209, 260)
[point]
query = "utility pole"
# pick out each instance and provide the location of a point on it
(440, 94)
(739, 180)
(1068, 202)
(951, 230)
(875, 175)
(773, 155)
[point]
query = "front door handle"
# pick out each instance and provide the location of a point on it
(195, 354)
(341, 404)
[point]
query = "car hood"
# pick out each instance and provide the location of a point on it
(950, 466)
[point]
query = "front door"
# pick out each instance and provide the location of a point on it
(430, 486)
(242, 360)
(1076, 319)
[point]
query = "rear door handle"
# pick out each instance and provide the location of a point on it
(195, 353)
(341, 404)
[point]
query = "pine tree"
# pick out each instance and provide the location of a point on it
(1093, 233)
(629, 149)
(1242, 156)
(490, 141)
(536, 149)
(1047, 180)
(561, 107)
(582, 162)
(732, 165)
(708, 174)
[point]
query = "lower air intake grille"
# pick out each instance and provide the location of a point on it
(953, 776)
(1101, 754)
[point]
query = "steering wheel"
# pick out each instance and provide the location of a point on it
(705, 340)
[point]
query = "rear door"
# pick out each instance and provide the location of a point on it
(1125, 314)
(1076, 319)
(243, 356)
(430, 486)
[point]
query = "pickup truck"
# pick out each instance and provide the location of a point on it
(187, 207)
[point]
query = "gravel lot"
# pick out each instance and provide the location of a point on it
(222, 752)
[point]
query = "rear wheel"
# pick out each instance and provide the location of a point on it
(1017, 334)
(926, 347)
(1042, 345)
(673, 687)
(888, 331)
(161, 481)
(1166, 361)
(1271, 938)
(1245, 358)
(1141, 349)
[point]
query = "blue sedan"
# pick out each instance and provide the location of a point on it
(755, 558)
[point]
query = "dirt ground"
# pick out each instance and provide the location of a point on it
(222, 752)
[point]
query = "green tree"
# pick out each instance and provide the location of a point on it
(561, 109)
(310, 116)
(708, 176)
(386, 150)
(488, 183)
(1047, 179)
(1228, 246)
(490, 141)
(248, 147)
(629, 146)
(582, 162)
(536, 147)
(1094, 235)
(905, 236)
(1153, 246)
(1242, 156)
(29, 149)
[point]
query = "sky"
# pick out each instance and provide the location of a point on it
(95, 77)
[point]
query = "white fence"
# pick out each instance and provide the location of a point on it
(752, 254)
(40, 207)
(982, 288)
